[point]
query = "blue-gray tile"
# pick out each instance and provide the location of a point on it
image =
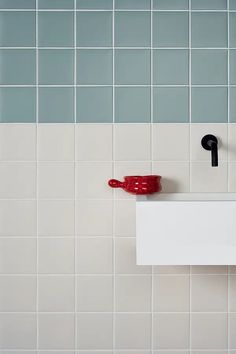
(232, 4)
(58, 4)
(94, 104)
(17, 29)
(209, 105)
(170, 105)
(132, 66)
(95, 4)
(17, 105)
(232, 29)
(133, 4)
(170, 29)
(209, 66)
(170, 66)
(56, 66)
(56, 29)
(209, 4)
(56, 105)
(132, 29)
(94, 29)
(232, 110)
(16, 4)
(17, 67)
(170, 4)
(209, 29)
(94, 66)
(232, 67)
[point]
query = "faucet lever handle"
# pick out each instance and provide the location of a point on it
(210, 142)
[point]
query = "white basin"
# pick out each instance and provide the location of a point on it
(191, 228)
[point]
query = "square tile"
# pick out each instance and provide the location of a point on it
(132, 29)
(56, 293)
(51, 251)
(93, 142)
(133, 4)
(55, 29)
(178, 134)
(132, 66)
(209, 67)
(232, 5)
(55, 142)
(94, 255)
(56, 331)
(171, 105)
(56, 218)
(209, 29)
(231, 177)
(132, 142)
(171, 293)
(232, 293)
(209, 4)
(206, 179)
(17, 67)
(232, 108)
(139, 337)
(171, 270)
(101, 109)
(205, 287)
(56, 105)
(94, 331)
(171, 331)
(232, 30)
(132, 104)
(124, 220)
(209, 269)
(209, 105)
(232, 336)
(165, 62)
(170, 29)
(18, 29)
(56, 67)
(94, 29)
(100, 211)
(95, 293)
(59, 4)
(18, 105)
(232, 66)
(94, 67)
(94, 4)
(170, 4)
(209, 331)
(16, 4)
(133, 293)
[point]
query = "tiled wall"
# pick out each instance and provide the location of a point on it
(68, 278)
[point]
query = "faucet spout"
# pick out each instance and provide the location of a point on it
(210, 142)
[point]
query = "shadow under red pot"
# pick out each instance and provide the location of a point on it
(138, 184)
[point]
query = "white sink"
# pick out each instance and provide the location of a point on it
(191, 228)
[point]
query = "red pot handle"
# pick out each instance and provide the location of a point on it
(114, 183)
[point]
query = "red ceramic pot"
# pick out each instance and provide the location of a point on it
(138, 184)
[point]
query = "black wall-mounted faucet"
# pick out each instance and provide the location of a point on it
(210, 142)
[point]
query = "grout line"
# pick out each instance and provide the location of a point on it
(111, 9)
(190, 165)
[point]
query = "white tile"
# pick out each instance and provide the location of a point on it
(133, 352)
(124, 218)
(198, 131)
(232, 331)
(95, 293)
(170, 142)
(17, 142)
(56, 180)
(100, 212)
(125, 257)
(94, 331)
(213, 287)
(132, 142)
(93, 142)
(56, 255)
(133, 331)
(17, 218)
(205, 178)
(175, 176)
(199, 269)
(94, 255)
(171, 293)
(232, 293)
(232, 141)
(171, 269)
(56, 331)
(133, 293)
(18, 180)
(232, 176)
(56, 218)
(18, 255)
(18, 293)
(56, 293)
(92, 179)
(209, 331)
(56, 142)
(17, 331)
(171, 331)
